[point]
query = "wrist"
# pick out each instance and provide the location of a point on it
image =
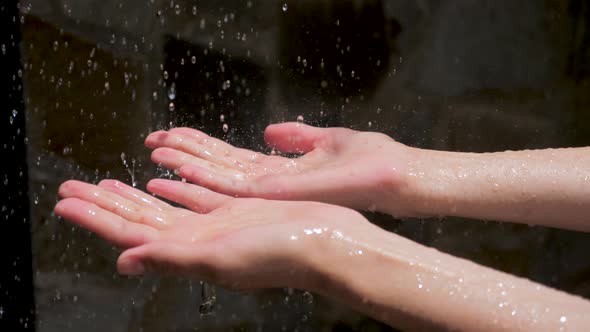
(316, 244)
(416, 185)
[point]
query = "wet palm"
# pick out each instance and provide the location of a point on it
(338, 166)
(238, 243)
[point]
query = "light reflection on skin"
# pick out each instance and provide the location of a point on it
(161, 220)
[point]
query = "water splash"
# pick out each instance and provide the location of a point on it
(208, 299)
(130, 170)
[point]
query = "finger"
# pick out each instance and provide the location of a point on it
(321, 185)
(236, 185)
(198, 144)
(203, 138)
(233, 155)
(174, 159)
(293, 137)
(164, 257)
(134, 195)
(105, 224)
(114, 203)
(196, 198)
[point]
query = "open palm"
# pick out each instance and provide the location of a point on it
(338, 165)
(237, 243)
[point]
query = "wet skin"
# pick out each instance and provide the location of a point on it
(247, 243)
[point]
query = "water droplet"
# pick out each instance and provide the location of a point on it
(222, 118)
(285, 7)
(193, 59)
(172, 91)
(208, 299)
(226, 85)
(171, 106)
(307, 297)
(562, 319)
(225, 128)
(300, 119)
(324, 84)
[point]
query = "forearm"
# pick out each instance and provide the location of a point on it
(544, 187)
(411, 286)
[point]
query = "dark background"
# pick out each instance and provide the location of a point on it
(89, 79)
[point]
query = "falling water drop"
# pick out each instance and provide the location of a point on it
(300, 119)
(307, 297)
(172, 91)
(208, 299)
(285, 7)
(225, 128)
(171, 106)
(226, 85)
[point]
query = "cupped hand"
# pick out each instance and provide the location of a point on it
(359, 170)
(237, 243)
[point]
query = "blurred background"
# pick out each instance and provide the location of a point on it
(87, 80)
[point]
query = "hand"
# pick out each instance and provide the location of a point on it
(237, 243)
(339, 166)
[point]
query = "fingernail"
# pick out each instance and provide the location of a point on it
(133, 268)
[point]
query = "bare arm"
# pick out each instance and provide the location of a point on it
(542, 187)
(334, 251)
(370, 171)
(394, 279)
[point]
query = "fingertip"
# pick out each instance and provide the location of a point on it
(109, 183)
(158, 156)
(66, 188)
(60, 207)
(156, 184)
(151, 141)
(129, 263)
(190, 172)
(64, 207)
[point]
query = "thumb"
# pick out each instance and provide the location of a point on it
(292, 137)
(161, 257)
